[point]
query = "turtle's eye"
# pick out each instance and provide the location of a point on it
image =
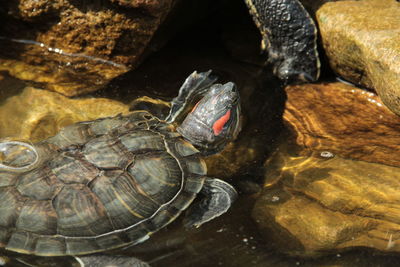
(220, 123)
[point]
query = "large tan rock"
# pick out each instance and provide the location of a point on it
(37, 114)
(335, 184)
(362, 42)
(329, 205)
(344, 120)
(75, 47)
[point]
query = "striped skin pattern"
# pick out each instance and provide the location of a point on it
(99, 185)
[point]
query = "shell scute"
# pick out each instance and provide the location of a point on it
(109, 241)
(50, 245)
(194, 184)
(12, 203)
(158, 175)
(39, 184)
(70, 168)
(107, 153)
(22, 241)
(107, 125)
(75, 134)
(80, 213)
(38, 216)
(124, 203)
(140, 232)
(75, 246)
(195, 165)
(142, 141)
(8, 178)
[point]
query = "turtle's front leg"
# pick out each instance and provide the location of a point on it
(218, 198)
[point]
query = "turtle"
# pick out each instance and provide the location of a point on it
(289, 37)
(112, 182)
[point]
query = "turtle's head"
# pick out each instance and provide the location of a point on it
(215, 119)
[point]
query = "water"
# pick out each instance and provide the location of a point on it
(256, 164)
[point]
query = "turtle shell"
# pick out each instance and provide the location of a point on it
(101, 185)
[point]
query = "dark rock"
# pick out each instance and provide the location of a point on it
(75, 47)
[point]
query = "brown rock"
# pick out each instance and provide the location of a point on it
(75, 47)
(37, 114)
(317, 198)
(329, 205)
(153, 7)
(361, 40)
(344, 120)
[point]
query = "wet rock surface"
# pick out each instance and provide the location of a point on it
(324, 205)
(74, 47)
(344, 120)
(361, 40)
(330, 187)
(37, 114)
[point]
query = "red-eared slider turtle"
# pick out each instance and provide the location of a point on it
(289, 37)
(112, 182)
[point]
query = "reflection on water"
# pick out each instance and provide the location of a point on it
(61, 52)
(36, 114)
(17, 156)
(344, 203)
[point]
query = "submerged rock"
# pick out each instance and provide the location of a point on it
(344, 120)
(325, 205)
(331, 187)
(361, 40)
(37, 114)
(74, 47)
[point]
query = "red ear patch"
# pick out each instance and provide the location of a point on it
(219, 124)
